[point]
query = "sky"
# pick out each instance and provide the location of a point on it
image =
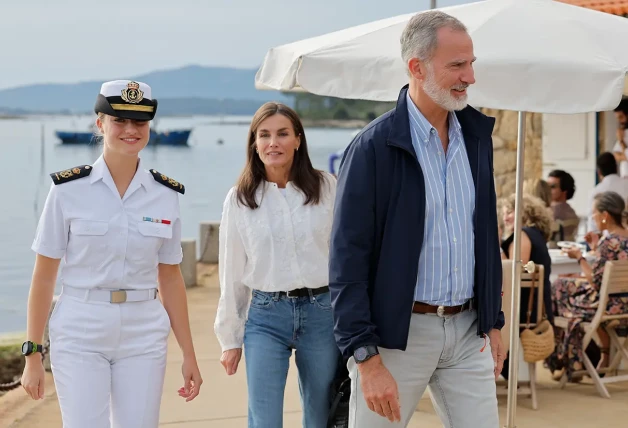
(67, 41)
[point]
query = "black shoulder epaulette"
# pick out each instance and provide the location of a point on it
(64, 176)
(168, 182)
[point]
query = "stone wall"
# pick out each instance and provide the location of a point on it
(505, 148)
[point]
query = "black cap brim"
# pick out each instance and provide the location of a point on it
(117, 107)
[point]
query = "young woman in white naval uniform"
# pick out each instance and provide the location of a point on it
(117, 227)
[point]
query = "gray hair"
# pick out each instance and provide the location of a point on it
(613, 204)
(419, 38)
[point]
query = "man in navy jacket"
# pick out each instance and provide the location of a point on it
(415, 267)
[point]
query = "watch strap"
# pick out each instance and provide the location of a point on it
(32, 348)
(364, 353)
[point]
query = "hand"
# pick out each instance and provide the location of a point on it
(34, 376)
(573, 252)
(592, 238)
(497, 349)
(191, 379)
(380, 389)
(230, 360)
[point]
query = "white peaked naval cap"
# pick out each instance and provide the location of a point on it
(126, 99)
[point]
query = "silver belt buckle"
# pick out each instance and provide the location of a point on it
(117, 296)
(440, 311)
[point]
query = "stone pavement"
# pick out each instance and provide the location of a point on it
(223, 404)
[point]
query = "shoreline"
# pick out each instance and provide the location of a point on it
(12, 338)
(307, 123)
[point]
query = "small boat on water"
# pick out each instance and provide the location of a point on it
(165, 138)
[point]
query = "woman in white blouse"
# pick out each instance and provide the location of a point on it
(274, 248)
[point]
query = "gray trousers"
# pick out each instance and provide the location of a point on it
(444, 353)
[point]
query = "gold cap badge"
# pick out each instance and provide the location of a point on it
(132, 93)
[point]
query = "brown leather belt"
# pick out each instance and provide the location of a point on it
(424, 308)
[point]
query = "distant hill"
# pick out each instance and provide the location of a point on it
(187, 90)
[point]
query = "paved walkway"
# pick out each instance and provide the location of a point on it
(223, 404)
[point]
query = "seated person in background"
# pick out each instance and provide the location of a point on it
(536, 220)
(609, 180)
(620, 150)
(563, 188)
(542, 190)
(577, 298)
(539, 188)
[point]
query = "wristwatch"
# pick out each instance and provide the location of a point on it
(29, 348)
(363, 353)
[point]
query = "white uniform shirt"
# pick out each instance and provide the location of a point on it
(280, 246)
(103, 239)
(623, 165)
(611, 182)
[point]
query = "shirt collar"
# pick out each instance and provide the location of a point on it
(100, 171)
(422, 126)
(609, 177)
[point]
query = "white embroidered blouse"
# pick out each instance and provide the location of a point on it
(280, 246)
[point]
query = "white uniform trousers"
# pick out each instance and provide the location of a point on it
(446, 354)
(109, 362)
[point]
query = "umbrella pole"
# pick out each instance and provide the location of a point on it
(513, 359)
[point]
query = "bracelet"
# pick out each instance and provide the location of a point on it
(580, 259)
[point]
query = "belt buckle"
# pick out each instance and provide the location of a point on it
(440, 311)
(289, 295)
(117, 296)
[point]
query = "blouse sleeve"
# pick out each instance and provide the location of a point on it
(234, 295)
(329, 187)
(602, 255)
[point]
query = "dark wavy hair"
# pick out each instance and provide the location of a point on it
(567, 183)
(302, 174)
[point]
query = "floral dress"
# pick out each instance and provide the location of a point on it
(577, 300)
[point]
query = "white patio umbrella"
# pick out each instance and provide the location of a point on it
(533, 56)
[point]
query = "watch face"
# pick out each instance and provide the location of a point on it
(360, 354)
(25, 348)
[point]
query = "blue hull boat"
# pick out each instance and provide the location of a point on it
(166, 138)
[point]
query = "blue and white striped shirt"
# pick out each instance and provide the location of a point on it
(447, 262)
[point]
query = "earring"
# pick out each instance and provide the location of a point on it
(256, 151)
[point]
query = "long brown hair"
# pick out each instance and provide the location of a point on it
(302, 174)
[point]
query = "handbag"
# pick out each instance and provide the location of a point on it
(339, 409)
(538, 342)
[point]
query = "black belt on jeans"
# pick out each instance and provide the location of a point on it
(304, 292)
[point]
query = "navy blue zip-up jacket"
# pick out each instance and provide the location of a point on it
(377, 234)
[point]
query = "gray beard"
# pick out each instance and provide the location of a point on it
(441, 96)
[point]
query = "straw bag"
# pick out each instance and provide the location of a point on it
(538, 342)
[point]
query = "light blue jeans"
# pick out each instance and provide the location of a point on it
(276, 325)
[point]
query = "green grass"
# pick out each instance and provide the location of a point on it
(11, 362)
(10, 351)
